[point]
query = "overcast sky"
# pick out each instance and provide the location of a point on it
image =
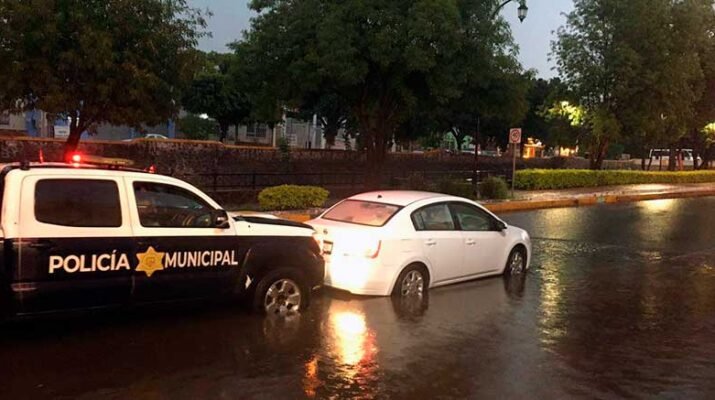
(533, 37)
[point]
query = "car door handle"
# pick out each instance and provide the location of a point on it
(470, 242)
(431, 242)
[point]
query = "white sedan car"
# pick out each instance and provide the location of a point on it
(404, 242)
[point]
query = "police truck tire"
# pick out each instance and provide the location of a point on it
(281, 291)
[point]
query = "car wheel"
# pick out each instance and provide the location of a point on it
(413, 281)
(281, 292)
(516, 263)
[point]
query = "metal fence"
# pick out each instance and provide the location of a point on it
(220, 181)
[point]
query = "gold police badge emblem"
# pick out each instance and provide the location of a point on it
(150, 261)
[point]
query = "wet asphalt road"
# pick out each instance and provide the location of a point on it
(620, 303)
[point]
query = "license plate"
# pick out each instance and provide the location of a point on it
(327, 247)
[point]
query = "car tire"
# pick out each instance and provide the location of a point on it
(412, 281)
(516, 263)
(281, 292)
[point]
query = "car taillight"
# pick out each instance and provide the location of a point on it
(374, 249)
(367, 248)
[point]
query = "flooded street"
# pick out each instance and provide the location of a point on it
(620, 302)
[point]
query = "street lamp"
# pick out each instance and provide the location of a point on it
(522, 11)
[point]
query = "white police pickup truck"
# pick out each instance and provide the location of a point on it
(79, 236)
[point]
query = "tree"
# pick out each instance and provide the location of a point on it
(216, 94)
(381, 58)
(634, 67)
(566, 123)
(196, 128)
(98, 61)
(492, 100)
(331, 110)
(544, 121)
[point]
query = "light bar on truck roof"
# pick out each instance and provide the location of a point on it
(78, 158)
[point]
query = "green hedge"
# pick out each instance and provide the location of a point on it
(494, 188)
(456, 188)
(539, 179)
(292, 197)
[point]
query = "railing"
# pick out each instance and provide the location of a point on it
(218, 181)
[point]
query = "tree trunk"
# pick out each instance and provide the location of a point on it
(223, 126)
(671, 159)
(330, 133)
(459, 137)
(376, 154)
(73, 139)
(598, 153)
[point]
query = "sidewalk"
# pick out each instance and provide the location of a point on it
(538, 199)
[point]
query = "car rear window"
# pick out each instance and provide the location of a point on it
(362, 212)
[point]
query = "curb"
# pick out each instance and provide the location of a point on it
(581, 201)
(590, 200)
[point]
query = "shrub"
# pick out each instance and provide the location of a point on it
(541, 179)
(494, 188)
(417, 181)
(456, 188)
(291, 197)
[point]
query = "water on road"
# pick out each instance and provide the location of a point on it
(620, 302)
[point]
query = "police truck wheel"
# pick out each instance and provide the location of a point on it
(281, 292)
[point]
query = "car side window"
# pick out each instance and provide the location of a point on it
(87, 203)
(471, 218)
(433, 218)
(167, 206)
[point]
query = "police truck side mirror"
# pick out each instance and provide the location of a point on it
(220, 219)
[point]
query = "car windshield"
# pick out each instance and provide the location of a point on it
(362, 212)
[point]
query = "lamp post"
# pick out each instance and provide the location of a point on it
(522, 12)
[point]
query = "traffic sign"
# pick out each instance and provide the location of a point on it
(515, 135)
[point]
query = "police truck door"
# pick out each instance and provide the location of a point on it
(180, 251)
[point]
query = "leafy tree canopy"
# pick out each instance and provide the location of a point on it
(382, 58)
(217, 93)
(98, 61)
(636, 68)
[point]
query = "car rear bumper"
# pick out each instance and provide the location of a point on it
(358, 275)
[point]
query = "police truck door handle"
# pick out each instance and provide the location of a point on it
(42, 245)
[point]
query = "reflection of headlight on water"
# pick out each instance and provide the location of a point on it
(659, 205)
(350, 323)
(351, 336)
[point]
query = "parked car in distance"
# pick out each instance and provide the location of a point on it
(687, 154)
(404, 242)
(148, 136)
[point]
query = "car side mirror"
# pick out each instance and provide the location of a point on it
(220, 219)
(500, 226)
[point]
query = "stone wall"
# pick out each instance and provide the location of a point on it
(199, 162)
